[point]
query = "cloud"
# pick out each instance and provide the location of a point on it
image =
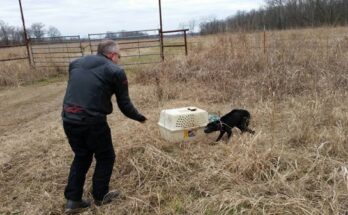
(92, 16)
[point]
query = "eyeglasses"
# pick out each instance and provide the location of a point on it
(118, 54)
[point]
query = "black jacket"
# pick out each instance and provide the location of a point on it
(92, 82)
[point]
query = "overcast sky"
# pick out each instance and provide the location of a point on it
(80, 17)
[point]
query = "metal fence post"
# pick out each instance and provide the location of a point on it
(264, 41)
(81, 48)
(185, 42)
(25, 34)
(33, 63)
(161, 29)
(162, 44)
(90, 43)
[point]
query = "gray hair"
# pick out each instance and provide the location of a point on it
(107, 47)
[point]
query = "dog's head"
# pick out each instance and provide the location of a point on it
(212, 126)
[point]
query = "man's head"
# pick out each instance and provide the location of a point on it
(109, 49)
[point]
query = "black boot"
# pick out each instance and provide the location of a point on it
(109, 197)
(76, 206)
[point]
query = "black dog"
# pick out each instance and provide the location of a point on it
(236, 118)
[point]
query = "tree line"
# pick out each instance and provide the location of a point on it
(11, 35)
(282, 14)
(125, 34)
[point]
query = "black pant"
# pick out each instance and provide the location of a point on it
(86, 141)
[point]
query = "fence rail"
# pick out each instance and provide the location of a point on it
(151, 46)
(11, 46)
(55, 51)
(138, 47)
(184, 44)
(14, 58)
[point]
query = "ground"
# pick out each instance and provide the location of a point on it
(296, 163)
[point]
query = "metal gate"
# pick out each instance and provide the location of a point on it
(55, 52)
(138, 47)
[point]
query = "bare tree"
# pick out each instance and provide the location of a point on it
(37, 30)
(18, 35)
(53, 32)
(182, 25)
(282, 14)
(212, 27)
(4, 37)
(192, 25)
(111, 35)
(10, 35)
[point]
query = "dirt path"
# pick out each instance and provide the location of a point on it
(24, 110)
(29, 112)
(21, 105)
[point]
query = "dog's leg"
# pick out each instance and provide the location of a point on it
(229, 133)
(220, 135)
(243, 126)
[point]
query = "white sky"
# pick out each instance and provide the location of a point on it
(80, 17)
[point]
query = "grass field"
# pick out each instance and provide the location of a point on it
(296, 163)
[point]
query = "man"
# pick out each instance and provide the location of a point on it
(92, 82)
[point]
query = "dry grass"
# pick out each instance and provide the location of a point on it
(296, 163)
(19, 73)
(48, 65)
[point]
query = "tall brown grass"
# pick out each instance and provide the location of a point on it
(296, 163)
(19, 72)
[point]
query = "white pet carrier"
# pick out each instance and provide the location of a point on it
(182, 124)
